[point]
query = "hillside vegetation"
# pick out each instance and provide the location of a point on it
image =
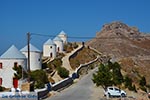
(127, 45)
(83, 56)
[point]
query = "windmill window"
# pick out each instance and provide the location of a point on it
(1, 65)
(15, 64)
(51, 47)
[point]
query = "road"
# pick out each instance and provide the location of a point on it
(82, 90)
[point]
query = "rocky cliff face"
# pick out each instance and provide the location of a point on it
(121, 41)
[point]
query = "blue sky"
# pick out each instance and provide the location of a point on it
(75, 17)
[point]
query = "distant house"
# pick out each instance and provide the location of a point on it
(59, 44)
(63, 36)
(49, 49)
(12, 57)
(35, 57)
(52, 47)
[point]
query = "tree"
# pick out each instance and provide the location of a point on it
(108, 74)
(116, 74)
(19, 72)
(103, 76)
(39, 77)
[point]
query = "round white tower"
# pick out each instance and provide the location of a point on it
(49, 49)
(63, 36)
(59, 44)
(35, 57)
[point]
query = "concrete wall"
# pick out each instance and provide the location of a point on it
(62, 84)
(85, 65)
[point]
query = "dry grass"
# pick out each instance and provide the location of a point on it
(81, 57)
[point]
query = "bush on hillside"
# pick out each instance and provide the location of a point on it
(75, 45)
(39, 77)
(142, 81)
(1, 88)
(128, 84)
(143, 88)
(53, 64)
(63, 72)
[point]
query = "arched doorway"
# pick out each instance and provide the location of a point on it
(51, 55)
(58, 49)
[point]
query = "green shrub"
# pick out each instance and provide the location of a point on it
(39, 77)
(1, 88)
(128, 82)
(142, 81)
(19, 72)
(57, 62)
(44, 65)
(54, 64)
(143, 88)
(63, 72)
(75, 45)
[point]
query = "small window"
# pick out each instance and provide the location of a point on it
(1, 65)
(110, 88)
(51, 47)
(0, 81)
(116, 89)
(15, 64)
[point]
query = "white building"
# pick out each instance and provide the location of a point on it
(12, 57)
(63, 36)
(49, 49)
(35, 57)
(59, 44)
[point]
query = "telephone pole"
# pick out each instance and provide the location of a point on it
(28, 43)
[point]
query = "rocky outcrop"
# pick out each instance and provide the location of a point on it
(118, 29)
(120, 41)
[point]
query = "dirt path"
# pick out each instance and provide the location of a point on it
(65, 59)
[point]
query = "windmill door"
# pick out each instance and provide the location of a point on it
(15, 83)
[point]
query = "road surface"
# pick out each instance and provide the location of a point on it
(81, 90)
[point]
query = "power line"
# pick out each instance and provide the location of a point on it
(75, 37)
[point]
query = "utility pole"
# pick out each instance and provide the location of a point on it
(28, 43)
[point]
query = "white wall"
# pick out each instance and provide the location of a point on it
(63, 37)
(35, 60)
(59, 45)
(7, 72)
(47, 49)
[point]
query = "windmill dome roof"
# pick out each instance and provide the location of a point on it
(13, 53)
(62, 33)
(49, 42)
(57, 39)
(32, 49)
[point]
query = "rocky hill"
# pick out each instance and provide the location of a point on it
(126, 44)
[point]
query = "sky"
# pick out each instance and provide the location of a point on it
(77, 18)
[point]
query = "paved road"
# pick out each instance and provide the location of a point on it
(79, 91)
